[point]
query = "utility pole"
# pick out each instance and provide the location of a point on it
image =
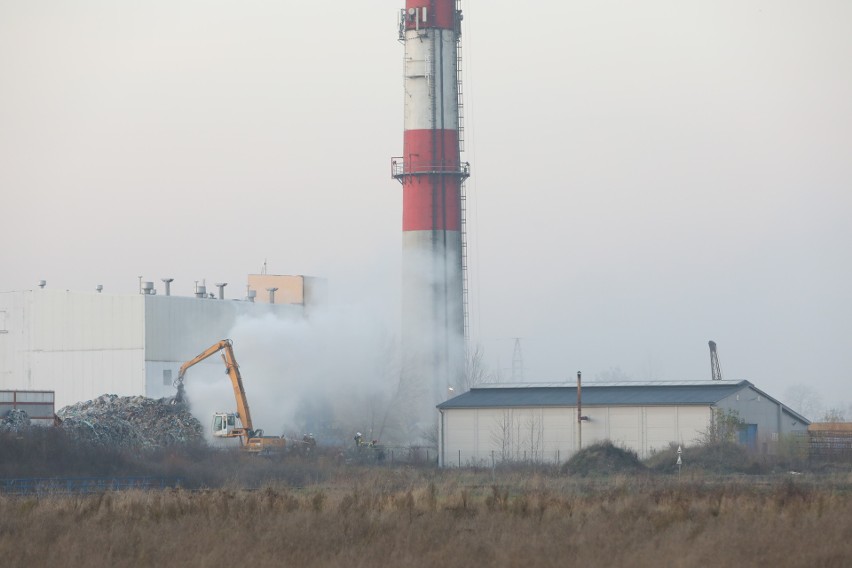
(580, 417)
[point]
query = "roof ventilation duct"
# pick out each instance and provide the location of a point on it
(271, 294)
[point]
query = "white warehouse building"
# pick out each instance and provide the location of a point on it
(539, 422)
(82, 345)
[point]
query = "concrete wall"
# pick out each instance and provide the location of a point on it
(483, 435)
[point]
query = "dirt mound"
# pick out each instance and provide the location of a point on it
(603, 458)
(132, 422)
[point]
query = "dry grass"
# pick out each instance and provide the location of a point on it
(293, 511)
(364, 517)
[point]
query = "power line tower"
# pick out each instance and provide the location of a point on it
(517, 362)
(715, 368)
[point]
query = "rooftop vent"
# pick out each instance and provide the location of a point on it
(271, 294)
(168, 282)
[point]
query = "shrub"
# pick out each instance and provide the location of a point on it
(603, 458)
(719, 457)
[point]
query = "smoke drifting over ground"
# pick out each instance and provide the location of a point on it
(433, 343)
(331, 374)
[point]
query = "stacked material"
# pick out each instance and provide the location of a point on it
(131, 422)
(15, 420)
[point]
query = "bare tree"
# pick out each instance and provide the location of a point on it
(503, 434)
(535, 435)
(475, 371)
(833, 415)
(805, 400)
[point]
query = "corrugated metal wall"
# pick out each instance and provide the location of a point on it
(479, 436)
(83, 345)
(772, 421)
(79, 345)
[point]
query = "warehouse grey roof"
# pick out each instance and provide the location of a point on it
(594, 383)
(620, 393)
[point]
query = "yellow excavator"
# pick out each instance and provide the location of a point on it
(232, 424)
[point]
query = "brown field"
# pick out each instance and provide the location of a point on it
(331, 509)
(359, 516)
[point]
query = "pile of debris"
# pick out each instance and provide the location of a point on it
(131, 422)
(15, 420)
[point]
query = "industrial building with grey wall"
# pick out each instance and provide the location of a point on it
(539, 422)
(85, 344)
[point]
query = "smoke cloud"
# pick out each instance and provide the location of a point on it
(330, 374)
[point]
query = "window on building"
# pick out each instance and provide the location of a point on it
(167, 377)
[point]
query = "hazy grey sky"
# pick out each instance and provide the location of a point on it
(646, 175)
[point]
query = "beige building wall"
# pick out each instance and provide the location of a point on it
(482, 436)
(308, 291)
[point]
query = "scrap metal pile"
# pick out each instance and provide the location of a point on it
(16, 420)
(131, 422)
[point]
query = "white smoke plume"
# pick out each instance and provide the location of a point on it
(331, 374)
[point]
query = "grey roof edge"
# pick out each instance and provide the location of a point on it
(742, 383)
(783, 406)
(444, 406)
(599, 384)
(455, 403)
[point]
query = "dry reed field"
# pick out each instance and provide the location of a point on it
(368, 517)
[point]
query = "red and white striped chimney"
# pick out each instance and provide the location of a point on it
(432, 174)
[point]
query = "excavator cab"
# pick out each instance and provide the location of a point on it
(224, 424)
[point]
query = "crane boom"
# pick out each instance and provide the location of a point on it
(230, 425)
(233, 370)
(715, 368)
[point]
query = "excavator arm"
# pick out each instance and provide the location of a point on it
(233, 370)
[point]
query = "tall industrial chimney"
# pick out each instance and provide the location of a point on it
(432, 176)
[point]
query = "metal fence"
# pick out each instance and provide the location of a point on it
(830, 445)
(393, 455)
(83, 485)
(497, 458)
